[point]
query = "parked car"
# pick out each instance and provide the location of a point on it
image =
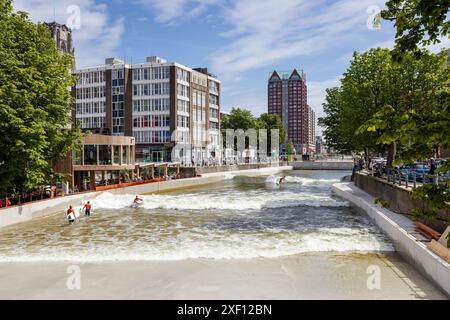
(417, 169)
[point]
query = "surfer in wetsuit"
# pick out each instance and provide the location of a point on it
(283, 179)
(87, 209)
(71, 215)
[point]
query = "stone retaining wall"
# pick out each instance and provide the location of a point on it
(399, 198)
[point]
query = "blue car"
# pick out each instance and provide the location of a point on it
(417, 169)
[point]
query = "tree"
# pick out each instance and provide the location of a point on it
(418, 118)
(245, 120)
(35, 104)
(272, 121)
(290, 147)
(239, 119)
(415, 20)
(337, 132)
(383, 103)
(365, 89)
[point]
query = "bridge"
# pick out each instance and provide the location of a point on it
(323, 165)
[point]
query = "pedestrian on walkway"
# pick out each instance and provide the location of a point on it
(432, 166)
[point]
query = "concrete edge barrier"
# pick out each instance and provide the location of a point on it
(406, 244)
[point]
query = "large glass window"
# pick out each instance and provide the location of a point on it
(124, 154)
(116, 154)
(90, 155)
(105, 155)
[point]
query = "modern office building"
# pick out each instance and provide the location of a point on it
(156, 102)
(288, 98)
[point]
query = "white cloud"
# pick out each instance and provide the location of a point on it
(98, 36)
(265, 33)
(174, 12)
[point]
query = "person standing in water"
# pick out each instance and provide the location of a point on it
(71, 215)
(87, 209)
(283, 179)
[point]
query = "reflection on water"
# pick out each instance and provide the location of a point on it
(241, 217)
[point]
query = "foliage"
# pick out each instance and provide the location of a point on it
(245, 120)
(366, 87)
(383, 203)
(290, 147)
(239, 119)
(434, 197)
(421, 106)
(269, 122)
(381, 103)
(35, 104)
(418, 22)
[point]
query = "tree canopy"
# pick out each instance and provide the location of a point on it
(35, 104)
(243, 119)
(418, 22)
(381, 102)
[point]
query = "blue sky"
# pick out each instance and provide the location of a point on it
(240, 41)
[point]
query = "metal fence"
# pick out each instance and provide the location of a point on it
(412, 179)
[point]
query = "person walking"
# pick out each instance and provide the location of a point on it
(433, 166)
(87, 209)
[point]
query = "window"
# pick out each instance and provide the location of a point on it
(213, 113)
(213, 99)
(92, 122)
(151, 121)
(159, 136)
(183, 90)
(182, 105)
(117, 74)
(182, 75)
(149, 105)
(151, 73)
(151, 89)
(183, 121)
(214, 125)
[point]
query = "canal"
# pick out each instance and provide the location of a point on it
(299, 227)
(241, 217)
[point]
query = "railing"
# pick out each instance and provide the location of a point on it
(412, 179)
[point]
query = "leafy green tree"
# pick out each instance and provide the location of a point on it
(418, 116)
(239, 119)
(383, 103)
(337, 131)
(269, 122)
(418, 22)
(35, 104)
(290, 147)
(365, 89)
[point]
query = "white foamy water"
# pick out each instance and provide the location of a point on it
(242, 217)
(237, 202)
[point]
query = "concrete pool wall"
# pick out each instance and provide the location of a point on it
(401, 230)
